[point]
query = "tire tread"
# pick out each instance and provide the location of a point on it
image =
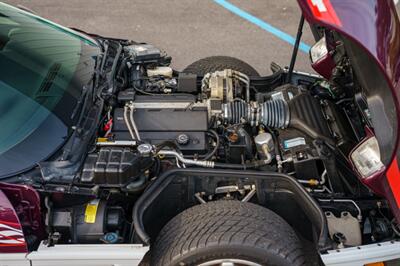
(226, 224)
(218, 63)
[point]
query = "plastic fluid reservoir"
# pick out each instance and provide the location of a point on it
(160, 71)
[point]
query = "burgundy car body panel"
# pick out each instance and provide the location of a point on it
(374, 26)
(324, 66)
(11, 236)
(22, 215)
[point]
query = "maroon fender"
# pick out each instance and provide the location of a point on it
(372, 32)
(20, 217)
(11, 235)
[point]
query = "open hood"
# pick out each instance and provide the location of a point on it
(370, 31)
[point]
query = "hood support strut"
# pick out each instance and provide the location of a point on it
(295, 49)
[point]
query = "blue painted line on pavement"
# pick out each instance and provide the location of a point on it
(262, 24)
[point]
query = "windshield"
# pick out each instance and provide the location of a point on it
(43, 68)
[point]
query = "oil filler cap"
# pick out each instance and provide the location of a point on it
(145, 149)
(182, 139)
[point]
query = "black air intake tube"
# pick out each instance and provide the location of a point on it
(272, 113)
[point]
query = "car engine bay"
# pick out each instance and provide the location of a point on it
(155, 119)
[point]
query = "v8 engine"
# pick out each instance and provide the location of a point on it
(219, 128)
(219, 120)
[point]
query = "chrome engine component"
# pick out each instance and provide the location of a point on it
(265, 145)
(145, 149)
(179, 157)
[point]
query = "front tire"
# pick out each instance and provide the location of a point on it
(219, 63)
(227, 232)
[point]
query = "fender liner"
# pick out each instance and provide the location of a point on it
(308, 205)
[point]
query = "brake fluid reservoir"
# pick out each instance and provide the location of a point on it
(160, 71)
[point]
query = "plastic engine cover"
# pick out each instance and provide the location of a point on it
(167, 118)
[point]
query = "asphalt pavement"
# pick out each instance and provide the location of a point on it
(189, 29)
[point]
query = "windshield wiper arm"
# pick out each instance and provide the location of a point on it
(80, 102)
(101, 68)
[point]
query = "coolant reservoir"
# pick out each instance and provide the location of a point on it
(160, 71)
